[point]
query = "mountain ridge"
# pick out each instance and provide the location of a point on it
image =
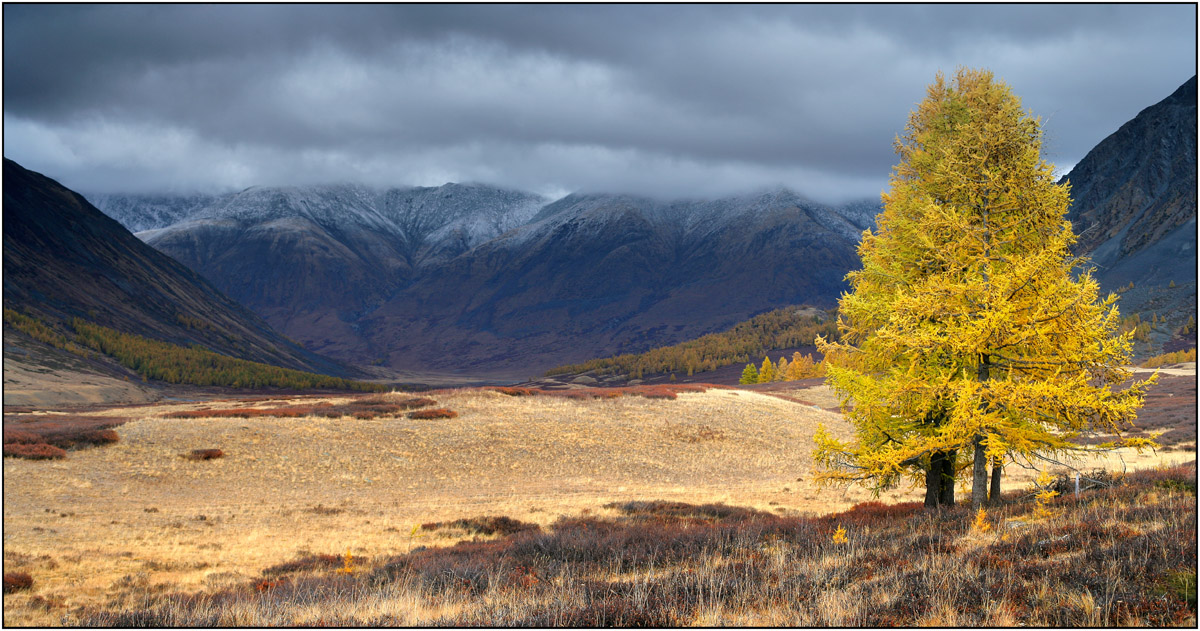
(489, 282)
(65, 259)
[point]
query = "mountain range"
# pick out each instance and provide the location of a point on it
(468, 276)
(481, 279)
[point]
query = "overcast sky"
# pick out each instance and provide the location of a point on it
(681, 101)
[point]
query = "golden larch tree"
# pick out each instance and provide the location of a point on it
(971, 334)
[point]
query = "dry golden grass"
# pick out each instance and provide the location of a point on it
(136, 517)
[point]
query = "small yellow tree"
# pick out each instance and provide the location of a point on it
(781, 368)
(971, 334)
(766, 373)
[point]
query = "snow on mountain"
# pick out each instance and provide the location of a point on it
(148, 211)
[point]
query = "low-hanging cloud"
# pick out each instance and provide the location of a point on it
(671, 101)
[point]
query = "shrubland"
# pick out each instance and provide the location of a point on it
(1123, 555)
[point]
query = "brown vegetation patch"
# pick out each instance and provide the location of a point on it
(489, 525)
(35, 451)
(513, 391)
(63, 432)
(320, 509)
(17, 581)
(307, 563)
(364, 408)
(432, 414)
(204, 454)
(682, 512)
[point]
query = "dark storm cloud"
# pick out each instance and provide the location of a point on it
(691, 100)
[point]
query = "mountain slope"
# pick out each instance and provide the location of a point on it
(1135, 196)
(469, 276)
(594, 275)
(312, 260)
(63, 258)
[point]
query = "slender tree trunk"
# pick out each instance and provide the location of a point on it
(994, 492)
(979, 482)
(946, 495)
(933, 480)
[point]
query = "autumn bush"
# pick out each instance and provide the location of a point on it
(432, 414)
(18, 436)
(34, 451)
(56, 434)
(17, 581)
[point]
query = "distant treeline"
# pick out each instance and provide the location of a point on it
(175, 364)
(41, 332)
(199, 366)
(789, 327)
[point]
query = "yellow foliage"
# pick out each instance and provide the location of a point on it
(839, 536)
(347, 564)
(1167, 359)
(981, 523)
(782, 328)
(971, 329)
(1044, 495)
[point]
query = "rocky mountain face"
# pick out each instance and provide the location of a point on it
(475, 277)
(1134, 210)
(593, 275)
(63, 258)
(1134, 196)
(314, 260)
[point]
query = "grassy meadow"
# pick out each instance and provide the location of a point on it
(641, 507)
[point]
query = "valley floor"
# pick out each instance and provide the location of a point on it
(136, 517)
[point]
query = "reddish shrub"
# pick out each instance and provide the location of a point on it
(204, 454)
(68, 439)
(18, 436)
(36, 451)
(434, 413)
(514, 391)
(17, 581)
(658, 392)
(63, 432)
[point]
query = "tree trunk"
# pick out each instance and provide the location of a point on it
(946, 497)
(979, 482)
(933, 480)
(994, 492)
